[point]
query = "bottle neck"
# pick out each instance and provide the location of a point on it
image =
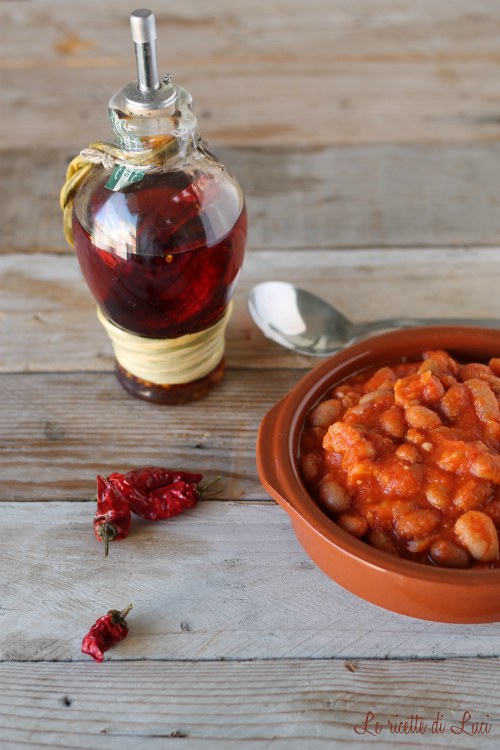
(169, 136)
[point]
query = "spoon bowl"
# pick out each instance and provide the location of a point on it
(306, 324)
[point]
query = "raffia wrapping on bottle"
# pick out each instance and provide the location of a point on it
(168, 154)
(157, 361)
(169, 361)
(109, 155)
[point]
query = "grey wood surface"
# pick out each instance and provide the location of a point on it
(402, 148)
(300, 197)
(365, 136)
(225, 580)
(302, 705)
(59, 430)
(49, 320)
(262, 73)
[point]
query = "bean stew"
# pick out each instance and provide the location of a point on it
(407, 458)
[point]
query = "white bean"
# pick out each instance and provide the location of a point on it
(472, 494)
(477, 533)
(488, 467)
(485, 403)
(438, 496)
(448, 555)
(310, 468)
(419, 544)
(325, 413)
(393, 422)
(408, 453)
(333, 498)
(422, 417)
(382, 542)
(354, 525)
(455, 401)
(418, 523)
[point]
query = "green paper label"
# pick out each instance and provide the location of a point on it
(123, 176)
(127, 140)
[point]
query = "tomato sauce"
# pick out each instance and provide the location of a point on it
(407, 458)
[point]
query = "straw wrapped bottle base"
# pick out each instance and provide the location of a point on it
(169, 371)
(180, 393)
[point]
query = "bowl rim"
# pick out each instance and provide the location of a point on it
(278, 468)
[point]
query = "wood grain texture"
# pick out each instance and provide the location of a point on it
(58, 431)
(301, 197)
(48, 319)
(371, 73)
(380, 128)
(370, 104)
(385, 30)
(300, 705)
(224, 580)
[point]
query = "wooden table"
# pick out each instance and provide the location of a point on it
(366, 138)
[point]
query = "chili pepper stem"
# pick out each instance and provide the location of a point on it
(201, 490)
(125, 611)
(118, 618)
(106, 541)
(107, 532)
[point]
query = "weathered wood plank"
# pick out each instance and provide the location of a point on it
(372, 30)
(224, 580)
(291, 704)
(374, 87)
(49, 322)
(371, 104)
(361, 196)
(59, 431)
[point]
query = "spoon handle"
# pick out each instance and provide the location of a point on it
(414, 322)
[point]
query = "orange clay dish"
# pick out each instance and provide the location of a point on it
(407, 459)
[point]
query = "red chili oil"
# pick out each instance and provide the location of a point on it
(162, 258)
(182, 283)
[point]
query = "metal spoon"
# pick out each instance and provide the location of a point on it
(307, 324)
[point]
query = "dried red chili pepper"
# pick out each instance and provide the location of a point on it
(107, 631)
(166, 502)
(155, 494)
(112, 519)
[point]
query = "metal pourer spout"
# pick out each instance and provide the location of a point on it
(148, 94)
(143, 26)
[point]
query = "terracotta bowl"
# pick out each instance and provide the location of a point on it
(409, 588)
